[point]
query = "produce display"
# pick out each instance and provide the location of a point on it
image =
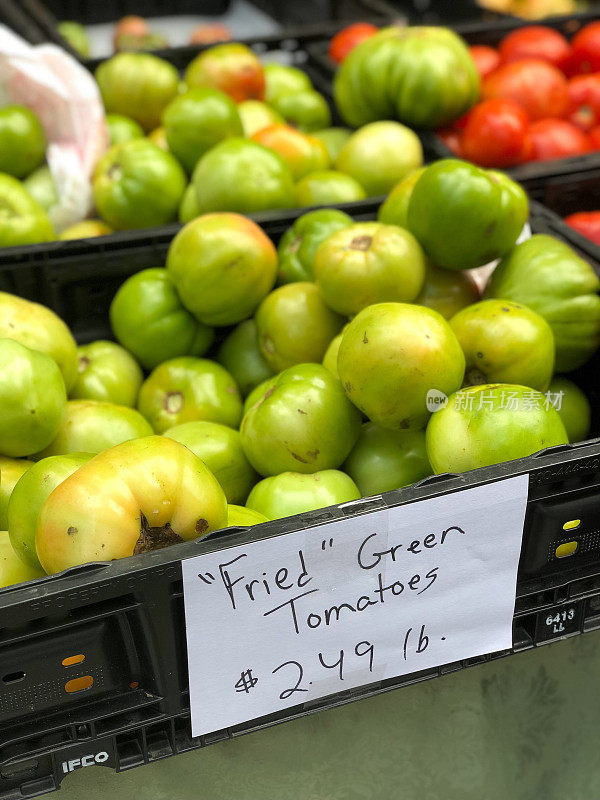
(252, 380)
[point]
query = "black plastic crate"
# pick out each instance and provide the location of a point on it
(13, 16)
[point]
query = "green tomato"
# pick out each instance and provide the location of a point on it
(32, 399)
(107, 372)
(241, 517)
(486, 207)
(550, 278)
(298, 245)
(281, 79)
(382, 460)
(76, 36)
(379, 155)
(197, 120)
(333, 139)
(390, 358)
(258, 393)
(294, 493)
(572, 406)
(41, 329)
(40, 185)
(505, 342)
(149, 320)
(447, 292)
(22, 141)
(241, 356)
(394, 210)
(30, 494)
(138, 185)
(222, 266)
(11, 470)
(189, 208)
(256, 115)
(22, 220)
(138, 85)
(368, 263)
(187, 389)
(122, 129)
(220, 448)
(12, 569)
(241, 175)
(331, 354)
(295, 326)
(489, 424)
(86, 229)
(91, 426)
(328, 187)
(303, 423)
(306, 110)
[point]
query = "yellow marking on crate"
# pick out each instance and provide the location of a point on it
(566, 549)
(70, 661)
(79, 684)
(571, 524)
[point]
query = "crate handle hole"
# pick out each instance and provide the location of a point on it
(70, 661)
(13, 677)
(79, 684)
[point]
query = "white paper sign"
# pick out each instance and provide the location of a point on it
(285, 620)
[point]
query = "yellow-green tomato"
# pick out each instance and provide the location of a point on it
(331, 354)
(368, 263)
(188, 389)
(489, 424)
(333, 139)
(382, 460)
(91, 426)
(328, 187)
(257, 394)
(136, 497)
(122, 129)
(241, 356)
(86, 229)
(40, 185)
(22, 141)
(294, 493)
(11, 470)
(306, 110)
(256, 115)
(240, 516)
(573, 407)
(29, 496)
(392, 356)
(220, 448)
(303, 423)
(447, 292)
(394, 209)
(41, 329)
(189, 208)
(23, 220)
(295, 326)
(107, 372)
(505, 342)
(280, 78)
(12, 569)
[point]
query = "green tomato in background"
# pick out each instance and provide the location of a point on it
(40, 185)
(573, 407)
(107, 372)
(379, 155)
(122, 129)
(11, 470)
(328, 187)
(295, 493)
(295, 326)
(86, 229)
(41, 329)
(241, 356)
(303, 423)
(189, 208)
(76, 36)
(333, 139)
(197, 120)
(306, 110)
(257, 394)
(486, 207)
(220, 448)
(480, 427)
(149, 320)
(30, 494)
(550, 278)
(138, 185)
(138, 85)
(281, 79)
(382, 460)
(331, 354)
(12, 569)
(298, 245)
(256, 115)
(22, 141)
(91, 426)
(394, 210)
(368, 263)
(32, 399)
(241, 175)
(447, 292)
(187, 389)
(23, 221)
(240, 516)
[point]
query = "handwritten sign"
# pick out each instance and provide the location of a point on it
(285, 620)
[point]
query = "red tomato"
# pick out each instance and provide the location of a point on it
(535, 41)
(486, 59)
(536, 85)
(594, 137)
(586, 50)
(556, 138)
(451, 138)
(348, 38)
(584, 96)
(587, 223)
(496, 134)
(209, 34)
